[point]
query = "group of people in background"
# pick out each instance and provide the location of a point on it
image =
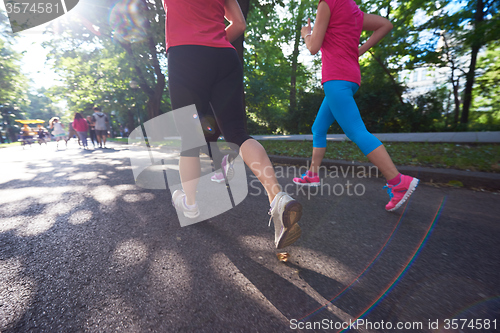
(28, 134)
(94, 127)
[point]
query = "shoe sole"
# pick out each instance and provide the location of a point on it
(307, 184)
(191, 215)
(290, 236)
(291, 215)
(230, 173)
(411, 189)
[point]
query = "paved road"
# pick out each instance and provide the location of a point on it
(83, 249)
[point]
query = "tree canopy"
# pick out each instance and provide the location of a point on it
(13, 83)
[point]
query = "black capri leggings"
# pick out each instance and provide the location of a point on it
(212, 79)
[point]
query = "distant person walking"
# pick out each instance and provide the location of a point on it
(26, 132)
(41, 135)
(58, 132)
(336, 32)
(81, 127)
(91, 125)
(101, 126)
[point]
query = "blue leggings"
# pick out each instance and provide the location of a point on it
(339, 105)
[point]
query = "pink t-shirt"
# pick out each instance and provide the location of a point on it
(339, 51)
(80, 125)
(195, 22)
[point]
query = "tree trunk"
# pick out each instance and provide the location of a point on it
(456, 98)
(153, 104)
(468, 87)
(454, 83)
(397, 88)
(130, 121)
(6, 133)
(238, 43)
(477, 42)
(154, 93)
(295, 56)
(12, 134)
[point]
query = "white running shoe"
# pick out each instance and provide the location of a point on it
(285, 214)
(179, 202)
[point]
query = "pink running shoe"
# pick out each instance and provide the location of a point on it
(218, 177)
(401, 192)
(308, 179)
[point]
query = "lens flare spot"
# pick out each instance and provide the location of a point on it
(128, 21)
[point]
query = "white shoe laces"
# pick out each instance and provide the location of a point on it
(275, 206)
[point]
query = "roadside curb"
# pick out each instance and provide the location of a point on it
(469, 179)
(430, 137)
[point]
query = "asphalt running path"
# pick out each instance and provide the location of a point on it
(83, 249)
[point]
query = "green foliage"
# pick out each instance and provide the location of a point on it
(10, 129)
(463, 32)
(41, 106)
(308, 105)
(10, 72)
(112, 56)
(266, 79)
(13, 84)
(487, 99)
(98, 77)
(427, 112)
(378, 100)
(272, 29)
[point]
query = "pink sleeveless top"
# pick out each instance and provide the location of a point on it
(339, 51)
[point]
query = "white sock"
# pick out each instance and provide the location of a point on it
(188, 206)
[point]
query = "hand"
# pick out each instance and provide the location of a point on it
(306, 30)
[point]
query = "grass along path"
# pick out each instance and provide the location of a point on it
(473, 157)
(11, 144)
